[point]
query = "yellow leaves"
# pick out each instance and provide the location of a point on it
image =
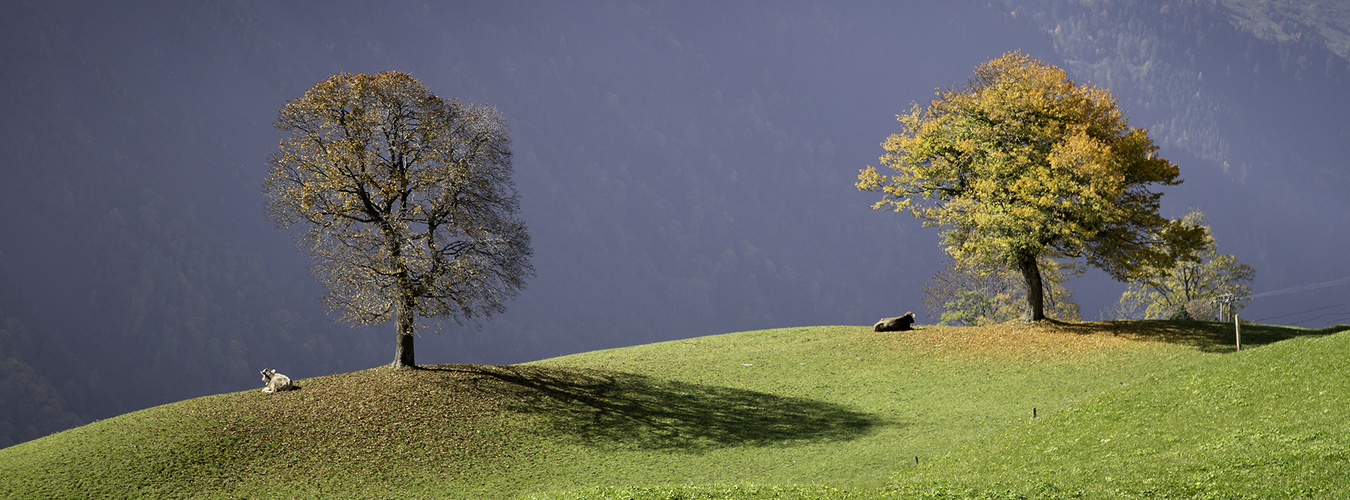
(1025, 159)
(869, 179)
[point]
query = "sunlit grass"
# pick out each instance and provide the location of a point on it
(922, 392)
(818, 412)
(1265, 423)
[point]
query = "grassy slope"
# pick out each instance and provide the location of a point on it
(838, 406)
(1264, 423)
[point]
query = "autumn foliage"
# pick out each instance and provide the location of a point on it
(1022, 164)
(406, 201)
(1193, 289)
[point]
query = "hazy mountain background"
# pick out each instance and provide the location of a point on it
(686, 169)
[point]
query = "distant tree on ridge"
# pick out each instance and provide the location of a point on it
(1190, 289)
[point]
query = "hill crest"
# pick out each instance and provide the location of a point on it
(815, 404)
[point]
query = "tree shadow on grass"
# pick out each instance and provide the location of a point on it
(1207, 336)
(624, 410)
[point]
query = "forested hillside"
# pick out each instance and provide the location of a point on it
(31, 406)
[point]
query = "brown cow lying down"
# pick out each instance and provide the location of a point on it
(896, 324)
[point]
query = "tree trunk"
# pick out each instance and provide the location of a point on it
(1031, 275)
(403, 349)
(403, 352)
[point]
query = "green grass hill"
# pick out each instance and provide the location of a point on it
(1124, 409)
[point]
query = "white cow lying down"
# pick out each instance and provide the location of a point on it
(276, 381)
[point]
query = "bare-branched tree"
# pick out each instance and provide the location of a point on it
(406, 200)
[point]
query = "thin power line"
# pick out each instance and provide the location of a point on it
(1297, 313)
(1302, 321)
(1304, 288)
(1338, 321)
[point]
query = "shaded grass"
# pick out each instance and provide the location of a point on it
(1207, 336)
(840, 407)
(616, 410)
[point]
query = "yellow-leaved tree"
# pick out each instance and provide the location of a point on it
(1213, 286)
(406, 200)
(1022, 164)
